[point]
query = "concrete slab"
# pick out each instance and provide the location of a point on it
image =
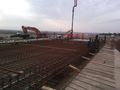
(101, 73)
(117, 68)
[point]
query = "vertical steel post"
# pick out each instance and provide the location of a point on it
(73, 9)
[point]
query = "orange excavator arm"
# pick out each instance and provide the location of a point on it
(25, 30)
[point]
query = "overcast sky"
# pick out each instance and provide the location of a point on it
(55, 15)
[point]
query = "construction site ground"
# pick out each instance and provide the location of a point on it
(101, 73)
(63, 65)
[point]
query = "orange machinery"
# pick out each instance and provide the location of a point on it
(38, 33)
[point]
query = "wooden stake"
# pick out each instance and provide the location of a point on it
(92, 54)
(47, 88)
(74, 68)
(86, 58)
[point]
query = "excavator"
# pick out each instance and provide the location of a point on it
(26, 28)
(27, 36)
